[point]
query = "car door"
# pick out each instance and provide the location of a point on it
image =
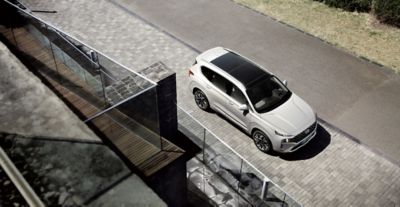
(225, 97)
(216, 89)
(209, 89)
(236, 99)
(219, 92)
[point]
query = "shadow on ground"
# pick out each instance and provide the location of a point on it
(321, 140)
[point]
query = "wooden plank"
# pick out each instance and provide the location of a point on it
(145, 156)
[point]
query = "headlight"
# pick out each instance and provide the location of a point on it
(281, 134)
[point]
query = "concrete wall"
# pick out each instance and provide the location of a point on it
(170, 183)
(166, 99)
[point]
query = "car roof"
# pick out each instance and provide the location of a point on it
(211, 54)
(235, 65)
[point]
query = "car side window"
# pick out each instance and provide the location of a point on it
(207, 73)
(224, 85)
(220, 82)
(237, 94)
(216, 79)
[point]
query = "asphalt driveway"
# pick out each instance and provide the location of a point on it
(356, 96)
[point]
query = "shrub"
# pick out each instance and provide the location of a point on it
(351, 5)
(388, 11)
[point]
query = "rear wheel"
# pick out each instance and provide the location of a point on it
(261, 141)
(201, 100)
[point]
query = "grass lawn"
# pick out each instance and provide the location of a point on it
(358, 33)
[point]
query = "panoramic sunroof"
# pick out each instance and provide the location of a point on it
(239, 68)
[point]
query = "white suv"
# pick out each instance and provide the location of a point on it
(252, 98)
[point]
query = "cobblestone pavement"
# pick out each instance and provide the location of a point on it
(332, 170)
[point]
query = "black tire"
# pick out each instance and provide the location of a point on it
(262, 141)
(201, 100)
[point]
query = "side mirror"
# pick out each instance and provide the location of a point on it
(285, 82)
(243, 107)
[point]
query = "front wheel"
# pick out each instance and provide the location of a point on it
(201, 100)
(261, 141)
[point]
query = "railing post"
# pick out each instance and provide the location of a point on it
(96, 66)
(264, 188)
(283, 201)
(54, 57)
(204, 143)
(102, 87)
(240, 179)
(204, 159)
(240, 173)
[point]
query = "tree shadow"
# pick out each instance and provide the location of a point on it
(321, 140)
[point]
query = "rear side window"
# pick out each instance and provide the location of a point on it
(220, 83)
(207, 73)
(216, 79)
(224, 85)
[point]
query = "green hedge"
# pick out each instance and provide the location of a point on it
(388, 11)
(351, 5)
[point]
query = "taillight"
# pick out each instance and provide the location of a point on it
(190, 73)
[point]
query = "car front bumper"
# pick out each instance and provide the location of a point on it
(292, 146)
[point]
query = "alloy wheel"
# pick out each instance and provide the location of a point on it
(201, 100)
(261, 141)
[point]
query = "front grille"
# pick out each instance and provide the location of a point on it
(304, 133)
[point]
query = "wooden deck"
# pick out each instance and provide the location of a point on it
(147, 158)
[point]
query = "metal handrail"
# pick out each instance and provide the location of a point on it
(119, 103)
(19, 181)
(209, 131)
(73, 42)
(60, 34)
(80, 41)
(266, 179)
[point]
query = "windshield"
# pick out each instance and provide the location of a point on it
(267, 93)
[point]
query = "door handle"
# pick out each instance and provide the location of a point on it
(231, 103)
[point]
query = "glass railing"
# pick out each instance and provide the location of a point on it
(237, 172)
(106, 84)
(130, 99)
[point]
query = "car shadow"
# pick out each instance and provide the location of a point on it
(321, 140)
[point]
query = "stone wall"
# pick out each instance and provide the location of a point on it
(166, 98)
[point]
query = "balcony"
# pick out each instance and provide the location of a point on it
(118, 104)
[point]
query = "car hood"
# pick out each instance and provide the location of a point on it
(292, 117)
